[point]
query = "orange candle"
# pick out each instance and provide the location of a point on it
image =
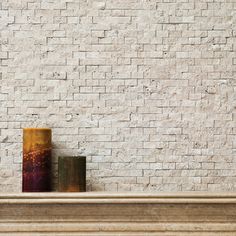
(36, 160)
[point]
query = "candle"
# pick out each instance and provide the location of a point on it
(36, 160)
(72, 174)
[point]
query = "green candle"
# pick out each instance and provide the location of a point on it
(72, 174)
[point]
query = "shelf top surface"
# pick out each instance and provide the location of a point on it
(119, 195)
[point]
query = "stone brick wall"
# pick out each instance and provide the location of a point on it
(144, 88)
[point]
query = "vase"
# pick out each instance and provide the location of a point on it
(37, 147)
(72, 174)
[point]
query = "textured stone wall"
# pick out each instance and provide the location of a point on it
(144, 88)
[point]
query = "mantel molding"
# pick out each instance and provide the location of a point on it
(116, 198)
(106, 213)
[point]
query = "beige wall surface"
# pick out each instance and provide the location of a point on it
(144, 88)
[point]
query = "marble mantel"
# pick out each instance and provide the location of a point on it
(106, 213)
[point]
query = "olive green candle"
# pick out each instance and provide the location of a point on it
(72, 174)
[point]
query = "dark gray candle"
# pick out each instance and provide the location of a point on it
(72, 174)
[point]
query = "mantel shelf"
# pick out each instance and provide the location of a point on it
(118, 197)
(123, 213)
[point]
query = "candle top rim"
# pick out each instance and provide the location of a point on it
(37, 128)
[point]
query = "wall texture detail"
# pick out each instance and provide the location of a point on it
(145, 88)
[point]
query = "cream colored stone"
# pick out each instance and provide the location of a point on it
(144, 88)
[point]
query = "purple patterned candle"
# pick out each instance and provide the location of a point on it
(36, 160)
